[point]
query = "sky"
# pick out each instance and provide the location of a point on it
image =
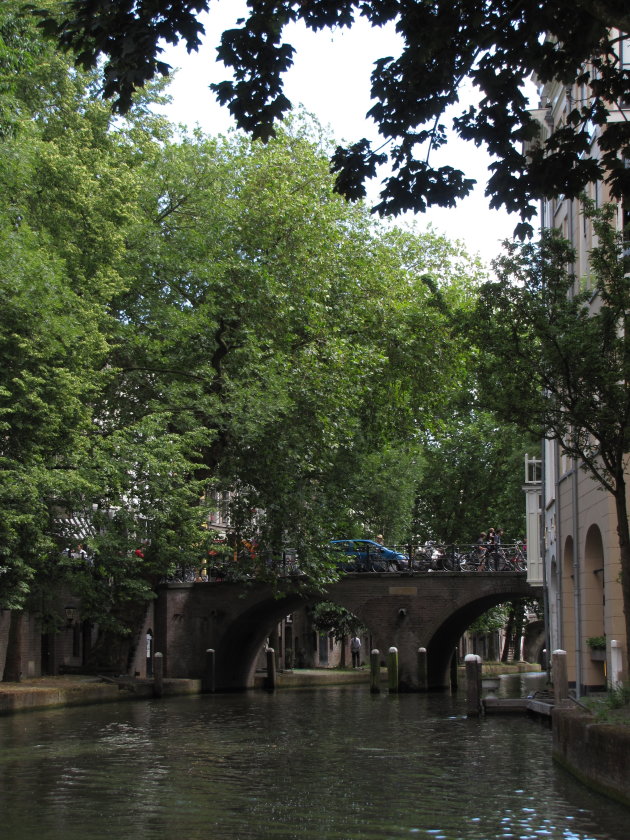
(331, 79)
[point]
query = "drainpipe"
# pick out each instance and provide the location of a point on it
(575, 523)
(577, 600)
(561, 642)
(543, 554)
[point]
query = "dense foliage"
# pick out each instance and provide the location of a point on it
(185, 315)
(496, 44)
(555, 354)
(472, 479)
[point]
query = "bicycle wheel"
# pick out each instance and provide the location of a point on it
(502, 563)
(468, 563)
(448, 562)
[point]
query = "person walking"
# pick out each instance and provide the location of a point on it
(481, 549)
(355, 650)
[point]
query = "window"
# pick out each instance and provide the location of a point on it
(624, 62)
(533, 470)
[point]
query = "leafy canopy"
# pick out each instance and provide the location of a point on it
(497, 44)
(555, 347)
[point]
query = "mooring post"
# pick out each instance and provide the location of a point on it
(392, 670)
(375, 671)
(208, 684)
(423, 679)
(559, 676)
(158, 675)
(270, 682)
(473, 684)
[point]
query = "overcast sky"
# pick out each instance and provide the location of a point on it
(331, 79)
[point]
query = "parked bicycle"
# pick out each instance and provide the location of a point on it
(488, 558)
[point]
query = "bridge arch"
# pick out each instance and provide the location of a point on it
(444, 641)
(405, 611)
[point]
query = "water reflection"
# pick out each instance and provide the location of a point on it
(522, 685)
(326, 763)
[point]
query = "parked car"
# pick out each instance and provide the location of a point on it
(368, 556)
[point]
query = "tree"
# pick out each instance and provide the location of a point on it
(497, 44)
(69, 189)
(556, 359)
(471, 478)
(183, 315)
(287, 327)
(337, 621)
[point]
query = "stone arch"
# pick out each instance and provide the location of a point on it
(244, 637)
(567, 640)
(444, 641)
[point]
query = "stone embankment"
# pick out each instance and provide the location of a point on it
(596, 752)
(78, 690)
(48, 692)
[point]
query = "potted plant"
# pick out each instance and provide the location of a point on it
(597, 645)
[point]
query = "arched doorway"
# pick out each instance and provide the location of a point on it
(593, 599)
(593, 593)
(568, 601)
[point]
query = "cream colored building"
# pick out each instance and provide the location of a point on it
(579, 541)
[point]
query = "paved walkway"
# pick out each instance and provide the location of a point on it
(76, 690)
(79, 690)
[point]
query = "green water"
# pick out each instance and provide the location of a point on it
(323, 763)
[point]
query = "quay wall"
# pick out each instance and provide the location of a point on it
(596, 753)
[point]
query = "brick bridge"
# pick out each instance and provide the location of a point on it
(407, 611)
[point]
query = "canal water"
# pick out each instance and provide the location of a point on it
(332, 763)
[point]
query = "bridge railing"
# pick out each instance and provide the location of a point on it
(412, 557)
(433, 556)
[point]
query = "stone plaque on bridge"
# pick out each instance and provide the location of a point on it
(403, 590)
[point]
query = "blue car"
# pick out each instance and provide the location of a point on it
(368, 556)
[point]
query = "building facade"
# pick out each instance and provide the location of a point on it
(579, 544)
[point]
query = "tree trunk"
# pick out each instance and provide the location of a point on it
(13, 661)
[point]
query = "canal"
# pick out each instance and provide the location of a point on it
(330, 763)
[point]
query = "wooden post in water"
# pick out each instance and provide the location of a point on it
(375, 671)
(559, 676)
(208, 683)
(473, 684)
(423, 677)
(392, 670)
(158, 675)
(270, 682)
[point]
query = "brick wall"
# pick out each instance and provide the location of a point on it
(597, 753)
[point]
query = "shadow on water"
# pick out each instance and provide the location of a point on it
(327, 764)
